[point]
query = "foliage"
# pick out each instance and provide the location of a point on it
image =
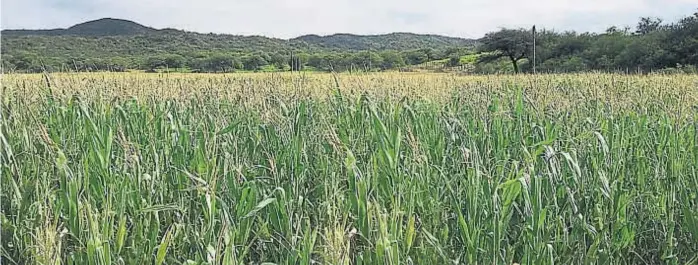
(514, 44)
(391, 60)
(129, 45)
(454, 60)
(652, 46)
(392, 41)
(348, 168)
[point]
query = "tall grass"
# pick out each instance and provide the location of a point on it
(349, 169)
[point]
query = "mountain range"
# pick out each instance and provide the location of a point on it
(111, 27)
(109, 43)
(95, 28)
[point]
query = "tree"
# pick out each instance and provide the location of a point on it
(298, 61)
(318, 62)
(237, 64)
(514, 44)
(682, 41)
(278, 60)
(430, 53)
(367, 60)
(26, 61)
(604, 50)
(221, 62)
(459, 50)
(173, 61)
(392, 59)
(642, 53)
(415, 57)
(253, 62)
(647, 25)
(454, 60)
(335, 62)
(154, 62)
(7, 65)
(217, 62)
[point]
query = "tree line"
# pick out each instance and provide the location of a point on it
(221, 61)
(651, 45)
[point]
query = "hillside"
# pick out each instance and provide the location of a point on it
(109, 27)
(392, 41)
(94, 33)
(100, 27)
(107, 44)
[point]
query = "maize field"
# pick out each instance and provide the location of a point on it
(367, 168)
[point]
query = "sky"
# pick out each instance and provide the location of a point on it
(292, 18)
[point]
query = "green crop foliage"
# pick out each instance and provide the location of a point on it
(349, 169)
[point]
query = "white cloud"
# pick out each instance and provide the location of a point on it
(286, 18)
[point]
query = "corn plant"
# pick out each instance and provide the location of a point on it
(375, 168)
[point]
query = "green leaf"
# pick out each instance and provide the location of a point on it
(259, 207)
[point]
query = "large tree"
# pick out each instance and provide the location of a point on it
(392, 59)
(648, 25)
(278, 60)
(254, 62)
(415, 57)
(682, 40)
(514, 44)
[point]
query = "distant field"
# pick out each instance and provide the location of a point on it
(377, 168)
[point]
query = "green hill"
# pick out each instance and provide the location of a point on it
(100, 27)
(392, 41)
(103, 35)
(119, 44)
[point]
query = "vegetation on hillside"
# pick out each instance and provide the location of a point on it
(127, 45)
(100, 27)
(392, 41)
(651, 46)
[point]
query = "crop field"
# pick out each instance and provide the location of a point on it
(372, 168)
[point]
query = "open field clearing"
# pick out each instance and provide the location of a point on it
(349, 169)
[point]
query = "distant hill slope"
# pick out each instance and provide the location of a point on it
(123, 42)
(110, 27)
(100, 27)
(392, 41)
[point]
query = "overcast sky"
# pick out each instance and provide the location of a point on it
(289, 18)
